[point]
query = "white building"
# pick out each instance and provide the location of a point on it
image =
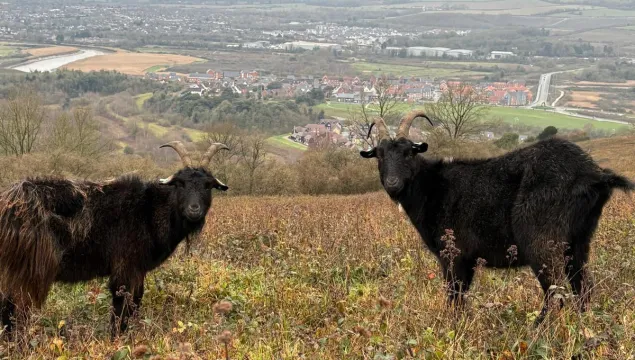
(426, 51)
(501, 54)
(459, 53)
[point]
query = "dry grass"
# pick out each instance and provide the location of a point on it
(584, 99)
(52, 50)
(129, 63)
(345, 277)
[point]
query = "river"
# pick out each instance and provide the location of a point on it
(54, 62)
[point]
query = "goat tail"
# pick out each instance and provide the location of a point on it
(29, 257)
(617, 181)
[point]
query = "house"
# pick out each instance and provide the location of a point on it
(198, 77)
(315, 129)
(249, 75)
(195, 89)
(501, 54)
(231, 75)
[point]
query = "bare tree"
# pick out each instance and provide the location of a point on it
(20, 122)
(385, 104)
(78, 132)
(224, 133)
(387, 99)
(253, 155)
(459, 111)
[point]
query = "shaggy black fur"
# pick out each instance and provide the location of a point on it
(536, 206)
(80, 231)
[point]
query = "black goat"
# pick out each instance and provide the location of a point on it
(536, 206)
(58, 230)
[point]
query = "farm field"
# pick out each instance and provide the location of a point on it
(539, 118)
(6, 50)
(345, 277)
(410, 70)
(524, 11)
(50, 51)
(544, 118)
(584, 99)
(129, 63)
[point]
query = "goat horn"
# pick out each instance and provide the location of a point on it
(181, 150)
(166, 180)
(382, 129)
(406, 122)
(207, 157)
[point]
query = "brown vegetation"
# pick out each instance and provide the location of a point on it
(336, 277)
(584, 99)
(50, 51)
(129, 63)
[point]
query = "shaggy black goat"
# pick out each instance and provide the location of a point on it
(536, 206)
(59, 230)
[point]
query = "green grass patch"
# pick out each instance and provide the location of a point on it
(543, 118)
(156, 68)
(141, 99)
(7, 50)
(281, 141)
(195, 135)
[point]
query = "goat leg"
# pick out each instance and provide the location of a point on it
(7, 313)
(458, 276)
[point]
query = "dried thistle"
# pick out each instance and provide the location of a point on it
(140, 351)
(225, 337)
(384, 303)
(362, 331)
(185, 348)
(222, 307)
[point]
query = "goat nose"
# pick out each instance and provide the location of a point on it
(392, 181)
(195, 207)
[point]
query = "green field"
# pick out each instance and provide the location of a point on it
(410, 70)
(281, 141)
(7, 50)
(543, 118)
(540, 118)
(608, 13)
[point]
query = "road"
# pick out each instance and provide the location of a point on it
(543, 87)
(543, 93)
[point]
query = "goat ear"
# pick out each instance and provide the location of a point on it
(220, 186)
(419, 148)
(369, 153)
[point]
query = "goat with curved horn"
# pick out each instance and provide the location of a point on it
(382, 129)
(406, 122)
(207, 157)
(181, 150)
